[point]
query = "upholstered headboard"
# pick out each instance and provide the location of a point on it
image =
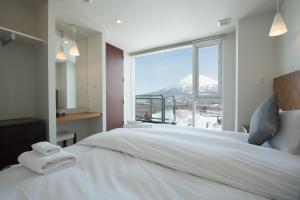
(288, 90)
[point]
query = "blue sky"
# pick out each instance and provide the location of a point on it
(157, 71)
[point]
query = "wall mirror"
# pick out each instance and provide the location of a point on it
(71, 70)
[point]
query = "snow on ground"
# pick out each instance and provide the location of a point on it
(185, 118)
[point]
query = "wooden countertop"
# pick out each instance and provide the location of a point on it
(77, 116)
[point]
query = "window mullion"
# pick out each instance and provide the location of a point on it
(195, 83)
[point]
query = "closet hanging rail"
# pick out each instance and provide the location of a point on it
(8, 35)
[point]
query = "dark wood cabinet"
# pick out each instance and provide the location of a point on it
(17, 136)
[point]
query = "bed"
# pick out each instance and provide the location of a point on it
(163, 162)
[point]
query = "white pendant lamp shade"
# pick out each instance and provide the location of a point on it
(74, 50)
(278, 27)
(61, 54)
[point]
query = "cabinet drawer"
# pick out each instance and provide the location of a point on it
(9, 154)
(21, 133)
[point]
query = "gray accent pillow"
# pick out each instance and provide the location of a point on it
(265, 121)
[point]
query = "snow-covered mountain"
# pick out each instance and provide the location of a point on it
(184, 87)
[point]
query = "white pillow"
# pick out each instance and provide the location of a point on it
(288, 137)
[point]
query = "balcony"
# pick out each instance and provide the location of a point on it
(152, 109)
(178, 110)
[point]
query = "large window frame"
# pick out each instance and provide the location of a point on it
(196, 45)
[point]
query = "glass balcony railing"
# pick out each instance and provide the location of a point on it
(152, 108)
(178, 110)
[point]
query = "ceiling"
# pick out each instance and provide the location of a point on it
(153, 23)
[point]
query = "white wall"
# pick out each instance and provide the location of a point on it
(255, 65)
(17, 81)
(288, 45)
(45, 84)
(94, 73)
(97, 77)
(228, 78)
(18, 15)
(82, 74)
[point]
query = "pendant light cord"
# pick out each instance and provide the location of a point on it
(74, 32)
(74, 36)
(61, 38)
(277, 6)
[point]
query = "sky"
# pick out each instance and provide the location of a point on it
(157, 71)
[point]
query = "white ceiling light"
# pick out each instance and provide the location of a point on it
(74, 50)
(66, 42)
(118, 21)
(61, 52)
(278, 27)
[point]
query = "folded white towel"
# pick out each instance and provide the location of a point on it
(134, 122)
(47, 164)
(143, 125)
(45, 148)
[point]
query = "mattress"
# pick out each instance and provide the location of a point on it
(107, 173)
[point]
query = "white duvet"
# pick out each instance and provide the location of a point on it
(263, 171)
(163, 163)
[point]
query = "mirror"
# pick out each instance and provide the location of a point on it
(72, 74)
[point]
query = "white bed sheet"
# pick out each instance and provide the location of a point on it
(105, 174)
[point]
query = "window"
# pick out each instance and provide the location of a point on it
(208, 112)
(180, 86)
(164, 87)
(209, 71)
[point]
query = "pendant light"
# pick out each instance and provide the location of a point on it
(61, 52)
(278, 27)
(74, 50)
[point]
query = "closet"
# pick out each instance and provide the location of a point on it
(26, 67)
